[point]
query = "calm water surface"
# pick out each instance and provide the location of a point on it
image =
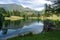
(21, 27)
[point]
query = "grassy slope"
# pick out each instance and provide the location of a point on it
(18, 18)
(54, 17)
(13, 18)
(52, 35)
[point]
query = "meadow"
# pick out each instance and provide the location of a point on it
(51, 35)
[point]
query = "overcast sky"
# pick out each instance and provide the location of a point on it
(33, 4)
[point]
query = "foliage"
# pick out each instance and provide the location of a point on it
(56, 23)
(48, 10)
(55, 7)
(19, 13)
(2, 11)
(51, 35)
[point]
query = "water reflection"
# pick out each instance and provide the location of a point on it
(34, 28)
(21, 24)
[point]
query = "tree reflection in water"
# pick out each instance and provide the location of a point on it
(8, 24)
(5, 27)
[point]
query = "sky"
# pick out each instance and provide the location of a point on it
(33, 4)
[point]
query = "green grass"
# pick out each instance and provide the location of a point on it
(51, 35)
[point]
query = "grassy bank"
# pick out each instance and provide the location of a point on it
(54, 17)
(51, 35)
(13, 18)
(56, 23)
(18, 18)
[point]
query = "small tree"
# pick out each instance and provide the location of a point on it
(2, 11)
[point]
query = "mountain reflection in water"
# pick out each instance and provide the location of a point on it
(34, 27)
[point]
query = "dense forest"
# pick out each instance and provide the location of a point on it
(18, 13)
(53, 8)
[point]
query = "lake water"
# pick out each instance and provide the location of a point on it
(20, 27)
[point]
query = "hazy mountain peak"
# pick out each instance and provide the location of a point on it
(11, 7)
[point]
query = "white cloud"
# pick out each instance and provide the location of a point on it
(1, 2)
(6, 1)
(33, 4)
(39, 9)
(40, 1)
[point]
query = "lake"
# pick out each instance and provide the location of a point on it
(20, 27)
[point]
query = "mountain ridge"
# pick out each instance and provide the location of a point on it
(15, 7)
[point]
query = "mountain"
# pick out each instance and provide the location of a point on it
(11, 7)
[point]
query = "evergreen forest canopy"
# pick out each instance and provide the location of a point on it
(53, 8)
(17, 10)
